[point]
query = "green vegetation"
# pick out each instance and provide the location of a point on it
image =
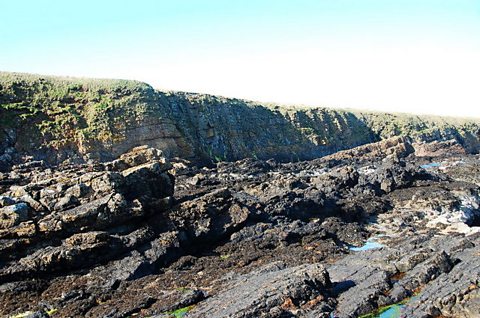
(180, 313)
(218, 158)
(224, 257)
(388, 125)
(70, 110)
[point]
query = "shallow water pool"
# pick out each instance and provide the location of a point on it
(393, 312)
(370, 244)
(430, 165)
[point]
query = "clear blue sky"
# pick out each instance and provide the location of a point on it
(421, 56)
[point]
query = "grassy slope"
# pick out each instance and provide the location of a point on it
(66, 110)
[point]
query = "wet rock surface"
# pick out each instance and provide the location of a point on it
(141, 236)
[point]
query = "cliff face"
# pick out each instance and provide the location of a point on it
(56, 118)
(226, 129)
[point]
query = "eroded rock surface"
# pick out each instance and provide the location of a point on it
(140, 236)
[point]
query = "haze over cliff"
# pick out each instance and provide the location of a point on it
(55, 118)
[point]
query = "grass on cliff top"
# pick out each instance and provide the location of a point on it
(70, 109)
(62, 83)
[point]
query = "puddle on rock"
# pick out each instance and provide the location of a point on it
(393, 312)
(370, 244)
(430, 165)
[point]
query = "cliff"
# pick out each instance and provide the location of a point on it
(54, 118)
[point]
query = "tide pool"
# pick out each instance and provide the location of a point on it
(393, 312)
(370, 244)
(430, 165)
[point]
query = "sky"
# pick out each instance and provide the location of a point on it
(420, 56)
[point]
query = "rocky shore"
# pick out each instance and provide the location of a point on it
(388, 226)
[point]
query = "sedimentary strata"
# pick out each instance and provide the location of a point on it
(57, 119)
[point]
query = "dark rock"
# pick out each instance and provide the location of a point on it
(244, 238)
(12, 215)
(68, 201)
(5, 201)
(267, 292)
(211, 217)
